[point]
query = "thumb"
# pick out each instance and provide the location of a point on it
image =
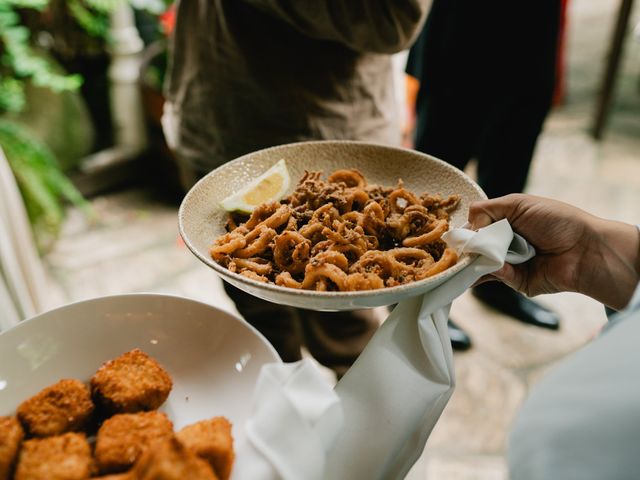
(486, 212)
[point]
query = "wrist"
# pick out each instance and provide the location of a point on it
(617, 262)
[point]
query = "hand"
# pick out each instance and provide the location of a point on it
(575, 251)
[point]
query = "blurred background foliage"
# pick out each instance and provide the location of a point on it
(54, 107)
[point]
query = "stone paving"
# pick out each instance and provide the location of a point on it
(134, 246)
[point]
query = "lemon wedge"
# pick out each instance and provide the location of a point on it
(271, 186)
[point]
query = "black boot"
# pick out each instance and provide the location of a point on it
(459, 338)
(508, 301)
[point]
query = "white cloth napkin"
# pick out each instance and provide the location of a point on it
(374, 425)
(295, 420)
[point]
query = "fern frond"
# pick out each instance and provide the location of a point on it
(104, 6)
(93, 23)
(35, 4)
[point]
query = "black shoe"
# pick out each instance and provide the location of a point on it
(508, 301)
(459, 338)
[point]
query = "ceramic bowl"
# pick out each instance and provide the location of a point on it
(213, 357)
(201, 219)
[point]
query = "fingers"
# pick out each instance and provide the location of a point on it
(480, 219)
(486, 212)
(511, 275)
(508, 274)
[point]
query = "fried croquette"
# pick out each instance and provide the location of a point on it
(116, 476)
(63, 457)
(171, 460)
(123, 437)
(11, 435)
(131, 383)
(63, 407)
(211, 440)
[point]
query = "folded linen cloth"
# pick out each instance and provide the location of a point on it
(394, 394)
(375, 423)
(295, 419)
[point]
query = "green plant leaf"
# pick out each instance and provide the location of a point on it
(35, 4)
(44, 187)
(94, 24)
(105, 6)
(12, 97)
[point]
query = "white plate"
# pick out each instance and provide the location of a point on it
(213, 357)
(202, 219)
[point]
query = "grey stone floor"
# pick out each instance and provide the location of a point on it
(134, 246)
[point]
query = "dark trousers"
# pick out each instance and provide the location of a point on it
(335, 339)
(486, 72)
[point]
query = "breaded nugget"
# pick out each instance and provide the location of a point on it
(170, 460)
(116, 476)
(63, 457)
(63, 407)
(11, 435)
(123, 437)
(131, 383)
(211, 440)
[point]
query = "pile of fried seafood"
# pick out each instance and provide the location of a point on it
(340, 234)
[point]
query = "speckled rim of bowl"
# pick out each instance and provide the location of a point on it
(418, 287)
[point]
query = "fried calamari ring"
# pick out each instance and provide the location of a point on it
(413, 219)
(292, 224)
(439, 206)
(284, 279)
(322, 247)
(279, 217)
(254, 276)
(374, 210)
(226, 244)
(339, 235)
(291, 251)
(351, 251)
(409, 256)
(325, 215)
(271, 215)
(431, 236)
(315, 274)
(351, 178)
(261, 213)
(352, 242)
(449, 203)
(313, 231)
(333, 257)
(255, 264)
(448, 259)
(418, 217)
(400, 199)
(378, 263)
(357, 218)
(259, 243)
(356, 199)
(363, 281)
(371, 219)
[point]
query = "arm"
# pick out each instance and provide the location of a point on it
(576, 251)
(363, 25)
